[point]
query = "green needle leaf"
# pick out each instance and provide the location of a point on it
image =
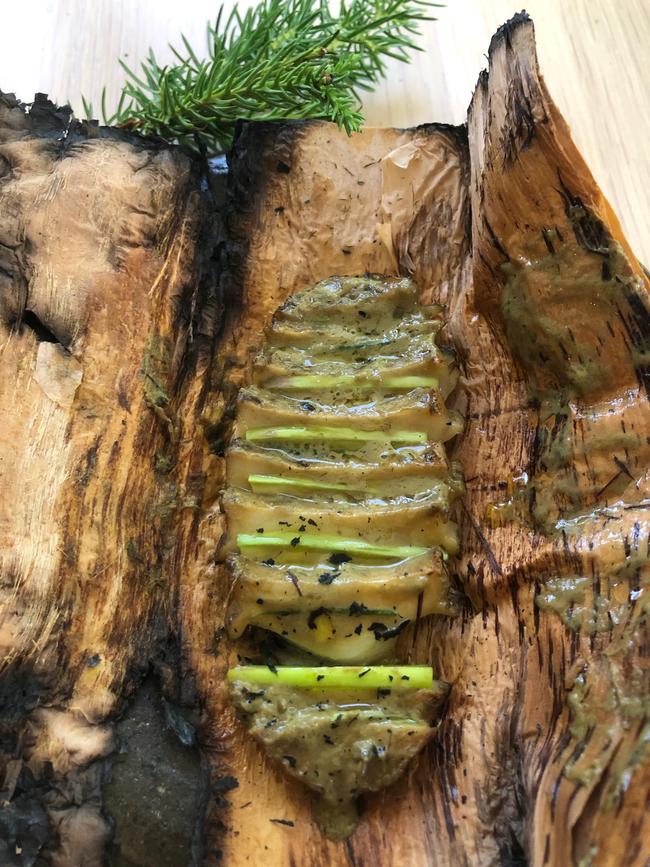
(282, 58)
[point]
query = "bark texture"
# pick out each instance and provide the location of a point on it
(120, 362)
(106, 325)
(554, 331)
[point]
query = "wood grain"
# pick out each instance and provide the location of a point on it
(594, 55)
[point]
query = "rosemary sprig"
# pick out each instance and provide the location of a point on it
(280, 59)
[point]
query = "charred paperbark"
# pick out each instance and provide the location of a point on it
(122, 401)
(515, 774)
(107, 322)
(554, 333)
(329, 204)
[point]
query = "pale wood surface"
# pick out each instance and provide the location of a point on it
(594, 55)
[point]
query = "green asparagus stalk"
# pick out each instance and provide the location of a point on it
(315, 382)
(315, 542)
(337, 677)
(261, 483)
(335, 434)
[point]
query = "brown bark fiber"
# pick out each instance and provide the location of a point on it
(130, 312)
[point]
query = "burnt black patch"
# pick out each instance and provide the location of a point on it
(314, 615)
(328, 577)
(338, 559)
(383, 632)
(44, 334)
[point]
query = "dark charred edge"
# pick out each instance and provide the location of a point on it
(506, 31)
(23, 819)
(27, 798)
(197, 312)
(502, 35)
(260, 151)
(455, 132)
(42, 118)
(481, 86)
(458, 137)
(521, 124)
(22, 689)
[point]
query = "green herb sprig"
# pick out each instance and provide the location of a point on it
(280, 59)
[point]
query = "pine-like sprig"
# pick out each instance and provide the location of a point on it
(280, 59)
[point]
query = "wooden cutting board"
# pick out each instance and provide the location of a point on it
(594, 55)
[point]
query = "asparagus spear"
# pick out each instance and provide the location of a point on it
(316, 542)
(261, 483)
(335, 434)
(340, 676)
(328, 381)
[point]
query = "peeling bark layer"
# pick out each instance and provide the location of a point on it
(553, 331)
(121, 366)
(329, 204)
(106, 324)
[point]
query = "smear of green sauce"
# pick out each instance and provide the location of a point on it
(537, 327)
(611, 712)
(564, 596)
(574, 601)
(564, 363)
(539, 295)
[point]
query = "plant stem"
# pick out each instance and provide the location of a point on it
(336, 544)
(317, 382)
(337, 677)
(335, 434)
